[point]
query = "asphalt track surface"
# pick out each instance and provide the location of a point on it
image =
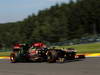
(88, 66)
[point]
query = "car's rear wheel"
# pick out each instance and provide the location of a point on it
(13, 58)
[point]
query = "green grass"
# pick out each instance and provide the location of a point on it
(4, 53)
(85, 48)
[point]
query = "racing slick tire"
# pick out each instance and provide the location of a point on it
(13, 58)
(50, 59)
(51, 56)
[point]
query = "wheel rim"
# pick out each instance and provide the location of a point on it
(12, 58)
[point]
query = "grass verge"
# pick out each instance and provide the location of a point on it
(4, 53)
(85, 48)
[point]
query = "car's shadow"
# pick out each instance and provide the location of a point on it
(66, 61)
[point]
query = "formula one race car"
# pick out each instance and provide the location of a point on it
(23, 52)
(39, 52)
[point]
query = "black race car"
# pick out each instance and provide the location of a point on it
(24, 52)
